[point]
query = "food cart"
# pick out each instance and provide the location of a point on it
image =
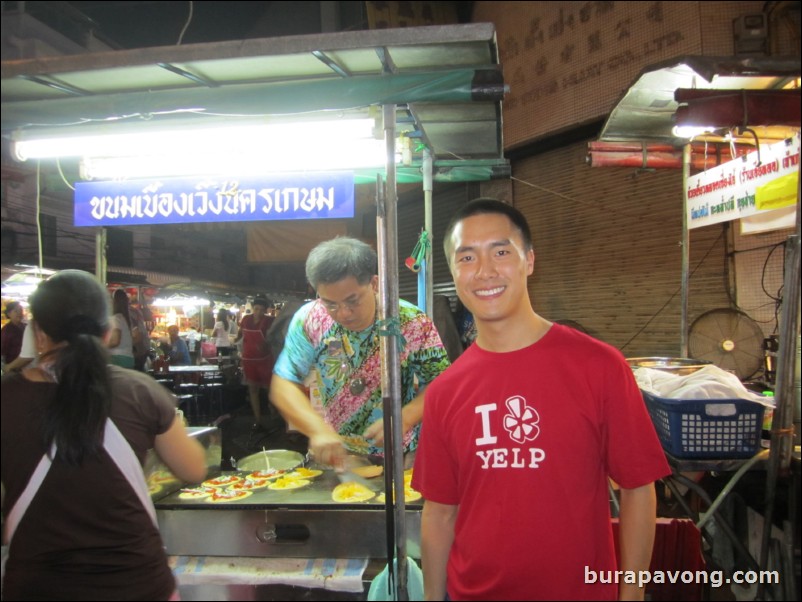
(434, 97)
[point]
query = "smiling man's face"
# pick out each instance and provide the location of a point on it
(490, 265)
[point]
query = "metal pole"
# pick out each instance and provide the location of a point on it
(686, 172)
(428, 225)
(100, 255)
(782, 428)
(390, 356)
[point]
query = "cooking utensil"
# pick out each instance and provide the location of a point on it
(280, 459)
(267, 460)
(349, 476)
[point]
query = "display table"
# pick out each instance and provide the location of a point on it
(198, 388)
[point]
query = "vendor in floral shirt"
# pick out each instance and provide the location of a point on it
(332, 347)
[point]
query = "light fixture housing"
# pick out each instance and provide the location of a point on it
(345, 143)
(691, 131)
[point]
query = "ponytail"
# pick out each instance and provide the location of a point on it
(75, 419)
(73, 307)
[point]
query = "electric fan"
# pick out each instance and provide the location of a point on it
(730, 339)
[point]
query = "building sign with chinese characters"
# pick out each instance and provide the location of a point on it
(186, 200)
(568, 63)
(744, 186)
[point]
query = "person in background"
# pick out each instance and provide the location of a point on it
(147, 312)
(277, 333)
(256, 358)
(193, 342)
(139, 331)
(121, 343)
(179, 352)
(11, 334)
(333, 345)
(232, 322)
(444, 322)
(221, 333)
(27, 353)
(86, 532)
(521, 436)
(465, 325)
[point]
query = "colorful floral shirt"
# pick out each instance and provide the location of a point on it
(342, 368)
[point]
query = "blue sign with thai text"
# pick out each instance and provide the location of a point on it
(316, 195)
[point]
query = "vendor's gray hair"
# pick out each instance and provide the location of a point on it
(339, 258)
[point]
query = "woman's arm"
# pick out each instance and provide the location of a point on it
(114, 338)
(182, 454)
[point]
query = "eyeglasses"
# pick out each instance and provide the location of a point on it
(349, 304)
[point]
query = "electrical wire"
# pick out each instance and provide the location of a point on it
(763, 274)
(776, 298)
(38, 211)
(575, 200)
(674, 294)
(186, 25)
(564, 196)
(61, 173)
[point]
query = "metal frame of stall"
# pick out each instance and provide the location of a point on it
(782, 433)
(782, 430)
(472, 75)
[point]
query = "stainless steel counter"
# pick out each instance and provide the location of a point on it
(162, 482)
(299, 523)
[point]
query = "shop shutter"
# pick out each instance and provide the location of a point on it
(608, 255)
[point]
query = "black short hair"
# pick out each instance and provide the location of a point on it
(12, 305)
(486, 205)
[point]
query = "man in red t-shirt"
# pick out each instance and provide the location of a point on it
(520, 437)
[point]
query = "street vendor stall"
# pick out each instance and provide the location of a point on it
(733, 126)
(424, 104)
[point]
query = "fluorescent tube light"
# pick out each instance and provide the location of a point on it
(280, 156)
(691, 131)
(241, 138)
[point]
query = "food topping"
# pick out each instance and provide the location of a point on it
(346, 493)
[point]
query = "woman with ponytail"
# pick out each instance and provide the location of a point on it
(75, 432)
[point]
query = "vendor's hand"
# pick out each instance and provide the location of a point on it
(327, 448)
(375, 433)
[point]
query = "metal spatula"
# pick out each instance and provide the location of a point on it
(347, 475)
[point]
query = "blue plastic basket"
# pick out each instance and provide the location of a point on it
(706, 428)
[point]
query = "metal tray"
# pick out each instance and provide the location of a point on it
(676, 365)
(280, 459)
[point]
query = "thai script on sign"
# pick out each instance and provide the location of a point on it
(184, 201)
(733, 190)
(724, 182)
(764, 169)
(241, 203)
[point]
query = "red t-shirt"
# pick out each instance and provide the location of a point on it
(523, 443)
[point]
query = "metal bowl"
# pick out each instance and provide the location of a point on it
(280, 459)
(676, 365)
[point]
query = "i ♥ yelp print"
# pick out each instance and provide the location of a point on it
(521, 422)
